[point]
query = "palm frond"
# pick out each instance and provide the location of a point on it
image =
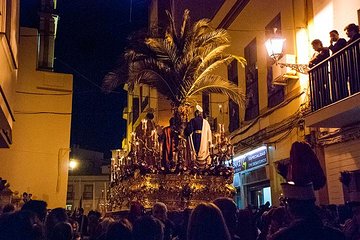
(210, 67)
(185, 24)
(171, 29)
(111, 81)
(155, 80)
(218, 84)
(240, 60)
(215, 37)
(178, 64)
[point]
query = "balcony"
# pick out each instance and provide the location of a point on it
(335, 89)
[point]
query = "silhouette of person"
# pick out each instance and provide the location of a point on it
(320, 54)
(306, 223)
(169, 139)
(352, 31)
(336, 43)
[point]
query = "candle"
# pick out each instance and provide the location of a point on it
(143, 124)
(153, 135)
(212, 149)
(217, 138)
(137, 146)
(133, 136)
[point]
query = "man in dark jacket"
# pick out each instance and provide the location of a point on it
(321, 53)
(352, 31)
(336, 43)
(305, 224)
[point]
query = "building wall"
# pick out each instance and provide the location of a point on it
(301, 22)
(329, 15)
(100, 188)
(340, 157)
(243, 29)
(333, 14)
(8, 68)
(38, 159)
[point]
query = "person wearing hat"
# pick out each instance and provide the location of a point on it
(305, 222)
(198, 132)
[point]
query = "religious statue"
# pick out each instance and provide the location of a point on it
(199, 136)
(146, 139)
(169, 140)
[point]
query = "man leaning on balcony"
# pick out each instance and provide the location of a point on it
(352, 31)
(320, 54)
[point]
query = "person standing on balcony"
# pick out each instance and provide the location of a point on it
(352, 31)
(320, 54)
(336, 43)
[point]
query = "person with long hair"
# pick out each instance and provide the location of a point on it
(207, 223)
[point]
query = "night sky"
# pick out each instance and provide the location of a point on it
(91, 36)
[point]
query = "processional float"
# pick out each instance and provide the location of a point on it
(179, 63)
(143, 175)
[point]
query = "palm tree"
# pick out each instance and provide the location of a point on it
(180, 64)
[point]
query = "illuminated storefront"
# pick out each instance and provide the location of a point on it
(251, 179)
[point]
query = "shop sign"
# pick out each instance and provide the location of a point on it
(250, 160)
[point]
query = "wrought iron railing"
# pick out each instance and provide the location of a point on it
(336, 78)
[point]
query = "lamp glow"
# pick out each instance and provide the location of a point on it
(73, 164)
(274, 47)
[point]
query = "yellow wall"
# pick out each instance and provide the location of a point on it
(333, 14)
(243, 30)
(301, 22)
(8, 69)
(37, 162)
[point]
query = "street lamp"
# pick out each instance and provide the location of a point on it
(73, 164)
(274, 47)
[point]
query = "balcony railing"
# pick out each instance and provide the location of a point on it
(336, 78)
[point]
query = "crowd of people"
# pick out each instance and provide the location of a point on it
(297, 217)
(336, 43)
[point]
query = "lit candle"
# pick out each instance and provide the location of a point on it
(153, 135)
(143, 124)
(137, 146)
(216, 139)
(212, 149)
(133, 136)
